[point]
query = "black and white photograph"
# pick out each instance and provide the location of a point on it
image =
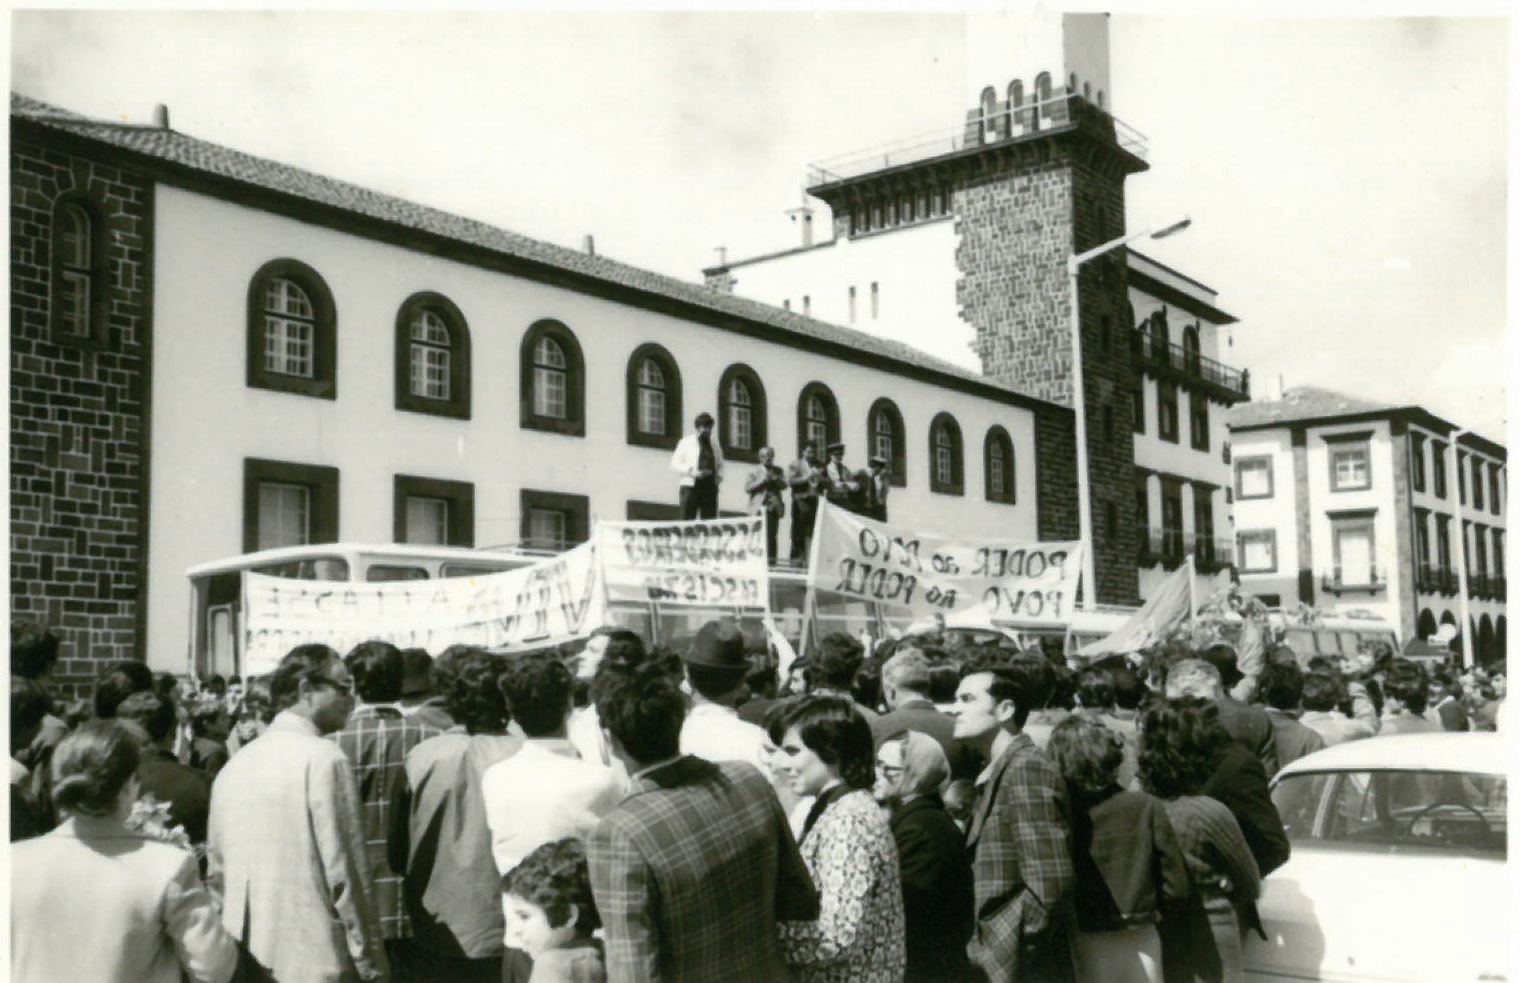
(1010, 493)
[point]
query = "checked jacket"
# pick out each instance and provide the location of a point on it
(1020, 846)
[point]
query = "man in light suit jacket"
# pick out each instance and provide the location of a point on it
(692, 871)
(699, 460)
(286, 843)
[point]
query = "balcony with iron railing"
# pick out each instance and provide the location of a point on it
(1338, 580)
(1006, 124)
(1210, 554)
(1157, 545)
(1179, 364)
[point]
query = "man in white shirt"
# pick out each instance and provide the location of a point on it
(546, 791)
(699, 460)
(715, 670)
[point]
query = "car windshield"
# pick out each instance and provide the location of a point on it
(1394, 811)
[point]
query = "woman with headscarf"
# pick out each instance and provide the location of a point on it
(938, 901)
(1131, 873)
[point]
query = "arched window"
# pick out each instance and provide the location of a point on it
(817, 419)
(79, 272)
(987, 124)
(1042, 106)
(1190, 351)
(946, 461)
(292, 331)
(885, 437)
(654, 398)
(1017, 122)
(998, 466)
(432, 357)
(742, 427)
(1161, 337)
(1072, 87)
(553, 380)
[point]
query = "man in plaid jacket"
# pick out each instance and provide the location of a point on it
(692, 871)
(1020, 832)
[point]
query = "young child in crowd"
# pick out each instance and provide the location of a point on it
(551, 915)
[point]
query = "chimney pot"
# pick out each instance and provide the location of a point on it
(161, 116)
(590, 245)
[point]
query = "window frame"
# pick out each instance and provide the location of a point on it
(1477, 482)
(98, 301)
(323, 383)
(321, 482)
(1240, 463)
(1268, 536)
(1137, 405)
(1167, 406)
(674, 414)
(1355, 522)
(1198, 407)
(831, 417)
(457, 406)
(897, 467)
(1417, 461)
(573, 424)
(577, 510)
(1438, 468)
(957, 483)
(758, 415)
(459, 494)
(1334, 449)
(999, 436)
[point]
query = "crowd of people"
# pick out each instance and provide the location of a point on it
(699, 461)
(919, 809)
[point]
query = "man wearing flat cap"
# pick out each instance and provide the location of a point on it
(841, 484)
(699, 460)
(715, 670)
(877, 485)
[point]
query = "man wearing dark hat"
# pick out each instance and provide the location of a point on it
(715, 671)
(700, 462)
(841, 484)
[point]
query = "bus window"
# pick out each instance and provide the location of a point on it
(452, 569)
(1351, 641)
(1301, 641)
(222, 656)
(313, 568)
(1327, 643)
(384, 573)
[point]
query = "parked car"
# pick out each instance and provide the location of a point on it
(1398, 864)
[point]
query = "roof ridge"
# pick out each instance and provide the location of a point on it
(239, 165)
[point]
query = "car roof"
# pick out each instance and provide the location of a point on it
(1484, 753)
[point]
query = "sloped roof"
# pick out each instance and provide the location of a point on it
(185, 151)
(1303, 403)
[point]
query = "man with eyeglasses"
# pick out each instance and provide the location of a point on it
(285, 847)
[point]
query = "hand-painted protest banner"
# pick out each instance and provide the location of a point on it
(555, 600)
(716, 563)
(928, 573)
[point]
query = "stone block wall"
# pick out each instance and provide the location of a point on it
(78, 436)
(1015, 230)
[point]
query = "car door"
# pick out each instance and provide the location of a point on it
(1394, 876)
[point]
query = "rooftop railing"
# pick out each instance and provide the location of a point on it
(978, 131)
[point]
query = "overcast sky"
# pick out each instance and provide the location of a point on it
(1347, 178)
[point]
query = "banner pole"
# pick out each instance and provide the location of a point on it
(1192, 590)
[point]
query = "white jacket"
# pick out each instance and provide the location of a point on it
(685, 458)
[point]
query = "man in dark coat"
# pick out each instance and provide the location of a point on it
(187, 790)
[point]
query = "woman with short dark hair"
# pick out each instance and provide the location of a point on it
(827, 752)
(1178, 742)
(94, 900)
(1131, 873)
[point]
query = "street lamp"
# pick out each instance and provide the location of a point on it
(1079, 400)
(1469, 657)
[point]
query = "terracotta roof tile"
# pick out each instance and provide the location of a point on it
(1303, 403)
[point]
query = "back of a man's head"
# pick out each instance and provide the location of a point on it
(538, 687)
(1322, 691)
(1129, 688)
(310, 662)
(1407, 683)
(417, 673)
(378, 669)
(1282, 685)
(150, 711)
(118, 682)
(34, 649)
(837, 661)
(29, 704)
(643, 708)
(906, 675)
(1095, 689)
(1194, 677)
(475, 697)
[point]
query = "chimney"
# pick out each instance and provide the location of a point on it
(805, 216)
(590, 245)
(161, 116)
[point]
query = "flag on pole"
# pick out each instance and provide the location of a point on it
(1169, 605)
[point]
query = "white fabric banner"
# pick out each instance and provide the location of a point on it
(931, 574)
(717, 563)
(556, 600)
